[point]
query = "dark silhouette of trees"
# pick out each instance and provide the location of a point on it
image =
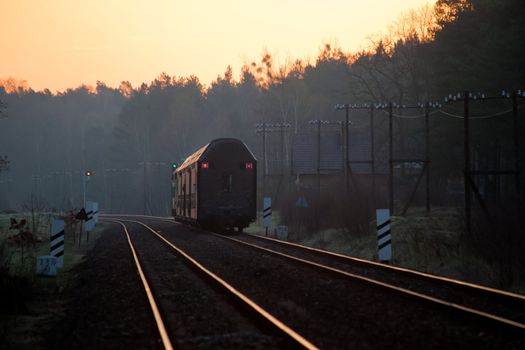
(128, 134)
(2, 110)
(4, 162)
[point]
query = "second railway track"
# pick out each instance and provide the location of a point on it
(350, 307)
(500, 306)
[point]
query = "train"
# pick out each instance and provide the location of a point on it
(216, 187)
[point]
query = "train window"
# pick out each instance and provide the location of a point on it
(227, 182)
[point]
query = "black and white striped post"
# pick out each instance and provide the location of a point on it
(267, 213)
(384, 240)
(57, 241)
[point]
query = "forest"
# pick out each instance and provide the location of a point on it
(129, 136)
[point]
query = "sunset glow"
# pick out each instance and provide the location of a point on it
(58, 44)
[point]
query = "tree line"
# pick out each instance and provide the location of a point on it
(129, 136)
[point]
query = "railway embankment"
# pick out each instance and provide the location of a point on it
(333, 311)
(434, 244)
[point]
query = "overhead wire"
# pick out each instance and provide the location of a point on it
(494, 115)
(451, 115)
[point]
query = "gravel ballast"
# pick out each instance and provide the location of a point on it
(331, 311)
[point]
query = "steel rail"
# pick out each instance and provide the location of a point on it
(428, 298)
(279, 325)
(384, 285)
(378, 265)
(154, 308)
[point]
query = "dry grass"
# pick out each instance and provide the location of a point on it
(35, 301)
(434, 244)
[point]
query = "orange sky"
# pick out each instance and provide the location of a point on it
(58, 44)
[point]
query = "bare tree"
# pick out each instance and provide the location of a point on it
(2, 110)
(4, 162)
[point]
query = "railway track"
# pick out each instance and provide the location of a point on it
(166, 341)
(451, 298)
(497, 305)
(263, 320)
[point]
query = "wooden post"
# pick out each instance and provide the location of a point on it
(347, 157)
(264, 158)
(467, 162)
(282, 148)
(318, 206)
(372, 157)
(427, 156)
(391, 158)
(516, 148)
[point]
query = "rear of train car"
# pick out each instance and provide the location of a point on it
(216, 187)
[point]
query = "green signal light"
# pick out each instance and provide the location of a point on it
(174, 165)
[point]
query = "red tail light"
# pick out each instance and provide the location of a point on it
(248, 166)
(205, 165)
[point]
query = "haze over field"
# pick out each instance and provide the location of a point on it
(59, 44)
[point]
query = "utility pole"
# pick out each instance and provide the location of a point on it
(264, 128)
(145, 199)
(469, 185)
(515, 96)
(466, 170)
(427, 155)
(347, 152)
(371, 161)
(425, 170)
(346, 107)
(282, 151)
(318, 123)
(87, 175)
(264, 157)
(318, 176)
(391, 158)
(372, 157)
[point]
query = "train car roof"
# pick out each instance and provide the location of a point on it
(200, 153)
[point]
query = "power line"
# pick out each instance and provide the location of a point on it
(497, 114)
